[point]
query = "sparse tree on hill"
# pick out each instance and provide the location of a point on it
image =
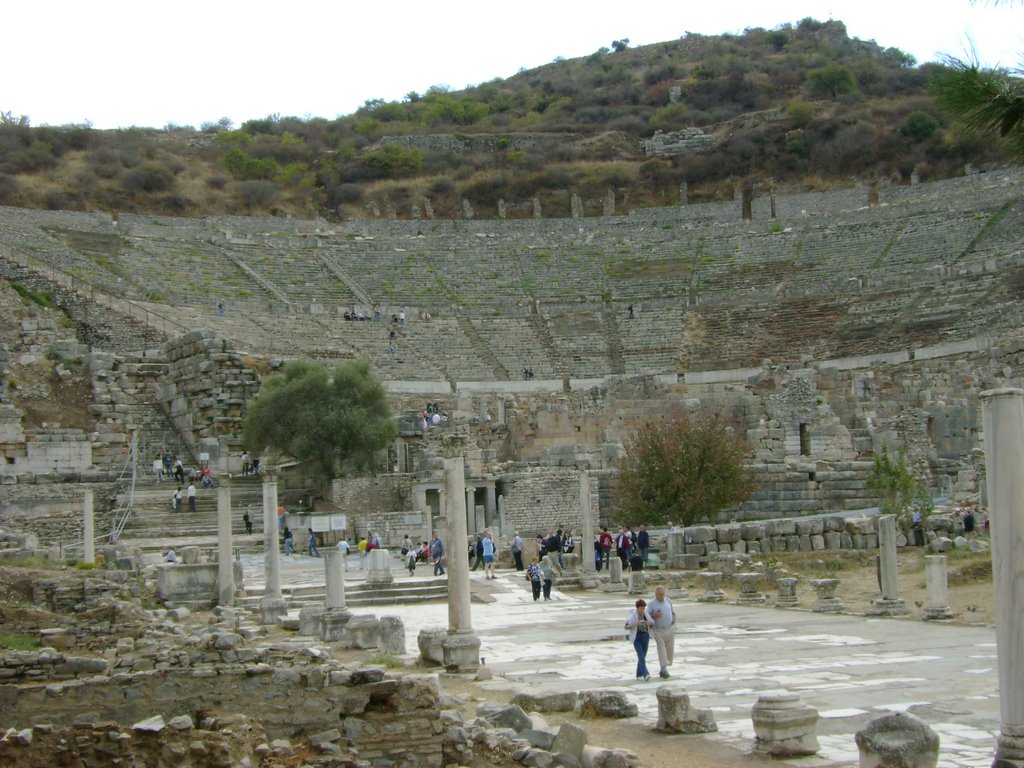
(333, 420)
(683, 468)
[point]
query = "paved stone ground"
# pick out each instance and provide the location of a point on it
(851, 668)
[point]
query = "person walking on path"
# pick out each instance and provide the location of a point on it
(517, 550)
(437, 554)
(487, 545)
(248, 522)
(663, 614)
(476, 552)
(639, 625)
(177, 499)
(606, 546)
(534, 576)
(158, 468)
(312, 550)
(192, 497)
(289, 546)
(549, 576)
(643, 543)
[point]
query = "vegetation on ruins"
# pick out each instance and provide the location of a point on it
(895, 485)
(799, 107)
(684, 468)
(336, 421)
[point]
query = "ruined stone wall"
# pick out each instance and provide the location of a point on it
(205, 391)
(375, 503)
(388, 718)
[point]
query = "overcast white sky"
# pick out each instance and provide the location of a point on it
(118, 63)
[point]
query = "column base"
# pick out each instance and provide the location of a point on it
(271, 609)
(712, 597)
(936, 614)
(888, 607)
(1009, 749)
(461, 652)
(334, 624)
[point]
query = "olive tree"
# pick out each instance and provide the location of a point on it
(333, 420)
(683, 468)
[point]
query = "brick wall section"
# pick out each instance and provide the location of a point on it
(541, 501)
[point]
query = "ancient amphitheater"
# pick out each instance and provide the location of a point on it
(830, 330)
(827, 325)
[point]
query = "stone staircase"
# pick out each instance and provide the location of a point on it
(154, 525)
(401, 590)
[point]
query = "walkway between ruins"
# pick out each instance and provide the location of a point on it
(851, 668)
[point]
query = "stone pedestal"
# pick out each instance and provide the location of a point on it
(712, 587)
(787, 592)
(335, 616)
(334, 626)
(827, 601)
(749, 583)
(429, 642)
(677, 715)
(88, 529)
(378, 570)
(392, 635)
(1003, 411)
(936, 602)
(357, 631)
(784, 726)
(685, 562)
(637, 583)
(898, 739)
(309, 620)
(461, 652)
(615, 583)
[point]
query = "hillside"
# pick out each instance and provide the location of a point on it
(801, 107)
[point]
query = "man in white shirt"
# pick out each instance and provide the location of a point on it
(664, 615)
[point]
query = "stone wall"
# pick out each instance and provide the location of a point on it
(542, 500)
(205, 391)
(388, 718)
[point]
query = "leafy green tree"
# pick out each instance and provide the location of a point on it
(831, 81)
(334, 421)
(685, 467)
(895, 485)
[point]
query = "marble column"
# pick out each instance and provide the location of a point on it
(272, 606)
(461, 646)
(586, 543)
(491, 508)
(88, 529)
(1003, 416)
(936, 580)
(890, 604)
(335, 616)
(225, 563)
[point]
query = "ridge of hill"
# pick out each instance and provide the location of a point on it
(802, 107)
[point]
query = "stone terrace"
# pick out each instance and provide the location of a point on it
(829, 277)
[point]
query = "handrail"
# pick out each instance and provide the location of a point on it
(90, 291)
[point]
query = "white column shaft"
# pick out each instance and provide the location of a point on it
(272, 560)
(225, 562)
(459, 618)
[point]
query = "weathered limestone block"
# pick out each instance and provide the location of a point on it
(827, 601)
(713, 592)
(677, 715)
(784, 726)
(787, 592)
(508, 716)
(546, 701)
(748, 589)
(571, 740)
(898, 740)
(362, 632)
(606, 704)
(310, 618)
(429, 643)
(392, 635)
